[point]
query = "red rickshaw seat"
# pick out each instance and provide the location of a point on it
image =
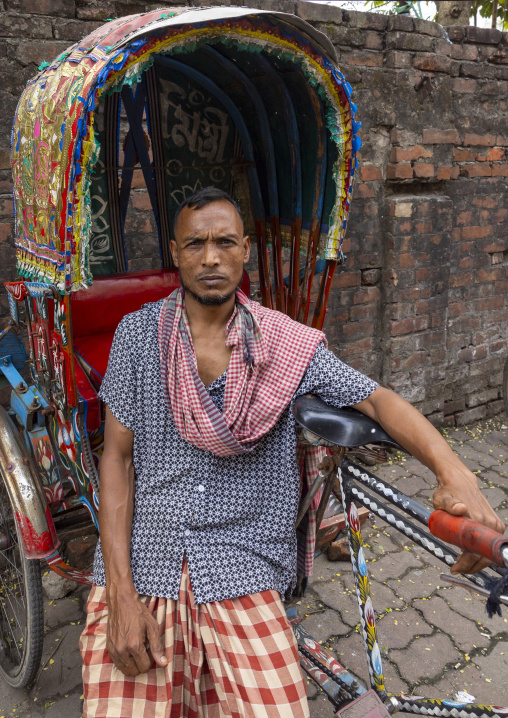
(97, 311)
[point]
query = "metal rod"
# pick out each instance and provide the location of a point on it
(310, 495)
(477, 589)
(409, 505)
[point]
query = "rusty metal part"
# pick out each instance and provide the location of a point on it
(376, 454)
(326, 467)
(337, 460)
(26, 495)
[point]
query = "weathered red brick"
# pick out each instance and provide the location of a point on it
(358, 329)
(409, 325)
(434, 136)
(374, 40)
(37, 51)
(464, 52)
(478, 70)
(460, 154)
(363, 58)
(472, 354)
(363, 312)
(489, 304)
(59, 8)
(6, 207)
(406, 154)
(487, 140)
(364, 190)
(476, 170)
(141, 200)
(464, 217)
(485, 35)
(435, 63)
(423, 170)
(398, 59)
(370, 173)
(493, 155)
(398, 40)
(5, 231)
(461, 84)
(446, 172)
(500, 169)
(477, 232)
(346, 279)
(485, 201)
(399, 171)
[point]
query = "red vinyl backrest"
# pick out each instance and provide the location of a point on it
(101, 307)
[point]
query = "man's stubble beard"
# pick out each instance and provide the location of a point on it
(214, 301)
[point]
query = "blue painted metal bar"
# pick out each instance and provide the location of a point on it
(248, 150)
(296, 182)
(271, 170)
(134, 108)
(317, 208)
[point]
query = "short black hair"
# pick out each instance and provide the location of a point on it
(204, 197)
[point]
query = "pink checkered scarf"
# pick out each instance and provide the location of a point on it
(270, 355)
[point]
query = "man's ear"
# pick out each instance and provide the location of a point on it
(174, 252)
(246, 249)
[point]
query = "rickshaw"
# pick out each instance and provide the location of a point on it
(142, 112)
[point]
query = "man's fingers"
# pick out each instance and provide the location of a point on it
(141, 658)
(156, 647)
(448, 501)
(469, 563)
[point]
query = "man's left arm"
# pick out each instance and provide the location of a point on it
(458, 491)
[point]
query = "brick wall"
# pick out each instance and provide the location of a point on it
(422, 302)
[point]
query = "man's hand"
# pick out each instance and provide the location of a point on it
(458, 494)
(133, 637)
(458, 491)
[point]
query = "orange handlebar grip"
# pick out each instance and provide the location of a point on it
(468, 535)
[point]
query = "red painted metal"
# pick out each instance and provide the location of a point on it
(324, 291)
(37, 545)
(468, 535)
(294, 270)
(264, 264)
(280, 298)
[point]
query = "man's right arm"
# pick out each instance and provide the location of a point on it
(131, 626)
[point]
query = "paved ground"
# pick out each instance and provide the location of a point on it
(436, 640)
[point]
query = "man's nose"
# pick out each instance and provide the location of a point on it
(210, 254)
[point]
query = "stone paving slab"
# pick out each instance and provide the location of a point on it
(435, 639)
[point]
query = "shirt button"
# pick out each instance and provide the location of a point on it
(201, 487)
(187, 532)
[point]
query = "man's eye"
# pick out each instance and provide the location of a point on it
(226, 241)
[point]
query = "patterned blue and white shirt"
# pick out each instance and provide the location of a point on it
(233, 517)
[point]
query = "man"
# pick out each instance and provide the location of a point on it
(200, 487)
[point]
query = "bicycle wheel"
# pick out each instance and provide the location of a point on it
(505, 386)
(21, 606)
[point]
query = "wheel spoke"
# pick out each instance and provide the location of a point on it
(13, 611)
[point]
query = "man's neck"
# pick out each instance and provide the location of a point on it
(204, 318)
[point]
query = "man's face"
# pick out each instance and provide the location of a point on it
(210, 251)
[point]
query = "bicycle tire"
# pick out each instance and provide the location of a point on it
(21, 622)
(505, 387)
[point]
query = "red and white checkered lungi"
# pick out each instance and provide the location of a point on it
(236, 658)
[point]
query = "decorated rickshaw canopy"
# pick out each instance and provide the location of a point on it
(247, 100)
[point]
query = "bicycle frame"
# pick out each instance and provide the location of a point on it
(353, 480)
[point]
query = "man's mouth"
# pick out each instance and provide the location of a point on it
(212, 279)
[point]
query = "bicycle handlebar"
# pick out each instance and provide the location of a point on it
(470, 536)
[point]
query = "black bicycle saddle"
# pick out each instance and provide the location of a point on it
(343, 427)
